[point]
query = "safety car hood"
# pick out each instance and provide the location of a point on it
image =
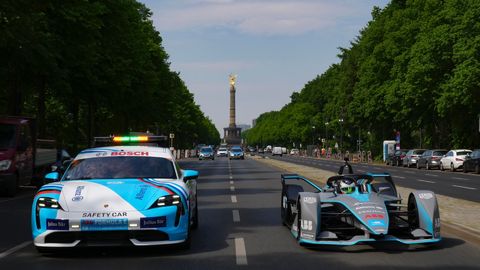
(111, 195)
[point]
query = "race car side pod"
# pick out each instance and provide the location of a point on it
(424, 215)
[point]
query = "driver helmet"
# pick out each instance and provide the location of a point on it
(347, 186)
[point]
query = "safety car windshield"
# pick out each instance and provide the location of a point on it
(120, 167)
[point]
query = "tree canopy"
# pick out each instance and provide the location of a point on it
(414, 68)
(93, 68)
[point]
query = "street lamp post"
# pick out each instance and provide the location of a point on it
(313, 135)
(341, 133)
(326, 134)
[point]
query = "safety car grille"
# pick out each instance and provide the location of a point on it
(113, 238)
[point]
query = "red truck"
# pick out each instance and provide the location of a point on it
(23, 158)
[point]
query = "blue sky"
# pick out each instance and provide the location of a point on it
(274, 46)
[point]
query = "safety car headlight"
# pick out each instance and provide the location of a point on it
(5, 164)
(168, 200)
(45, 202)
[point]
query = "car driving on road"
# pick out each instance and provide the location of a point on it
(236, 152)
(116, 196)
(206, 152)
(222, 152)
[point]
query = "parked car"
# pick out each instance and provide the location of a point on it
(472, 162)
(261, 151)
(397, 158)
(277, 151)
(411, 157)
(431, 159)
(454, 159)
(294, 152)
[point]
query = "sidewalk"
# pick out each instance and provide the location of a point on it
(459, 217)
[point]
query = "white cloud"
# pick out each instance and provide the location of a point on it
(258, 17)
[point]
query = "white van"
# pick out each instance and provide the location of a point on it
(277, 151)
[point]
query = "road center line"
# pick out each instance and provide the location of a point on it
(231, 182)
(426, 181)
(460, 178)
(236, 215)
(232, 188)
(464, 187)
(401, 177)
(234, 198)
(436, 175)
(240, 252)
(14, 249)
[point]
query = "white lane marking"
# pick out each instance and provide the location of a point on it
(236, 215)
(14, 249)
(16, 198)
(426, 181)
(234, 198)
(232, 188)
(231, 182)
(361, 170)
(429, 174)
(401, 177)
(231, 177)
(240, 251)
(464, 187)
(460, 178)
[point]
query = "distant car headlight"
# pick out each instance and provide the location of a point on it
(5, 164)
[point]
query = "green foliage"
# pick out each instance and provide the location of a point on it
(415, 68)
(90, 68)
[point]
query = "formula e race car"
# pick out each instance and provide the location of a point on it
(357, 208)
(116, 196)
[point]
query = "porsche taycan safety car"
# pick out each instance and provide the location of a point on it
(117, 195)
(357, 208)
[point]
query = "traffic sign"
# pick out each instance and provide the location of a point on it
(172, 135)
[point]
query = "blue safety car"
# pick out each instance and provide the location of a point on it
(116, 196)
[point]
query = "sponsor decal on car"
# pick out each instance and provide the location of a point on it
(104, 224)
(57, 224)
(370, 216)
(376, 223)
(104, 214)
(153, 222)
(310, 200)
(129, 153)
(306, 225)
(78, 194)
(425, 196)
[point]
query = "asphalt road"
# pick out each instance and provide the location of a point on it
(454, 184)
(240, 228)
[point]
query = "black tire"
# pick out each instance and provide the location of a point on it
(195, 217)
(464, 169)
(299, 222)
(477, 169)
(452, 167)
(427, 166)
(441, 167)
(418, 165)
